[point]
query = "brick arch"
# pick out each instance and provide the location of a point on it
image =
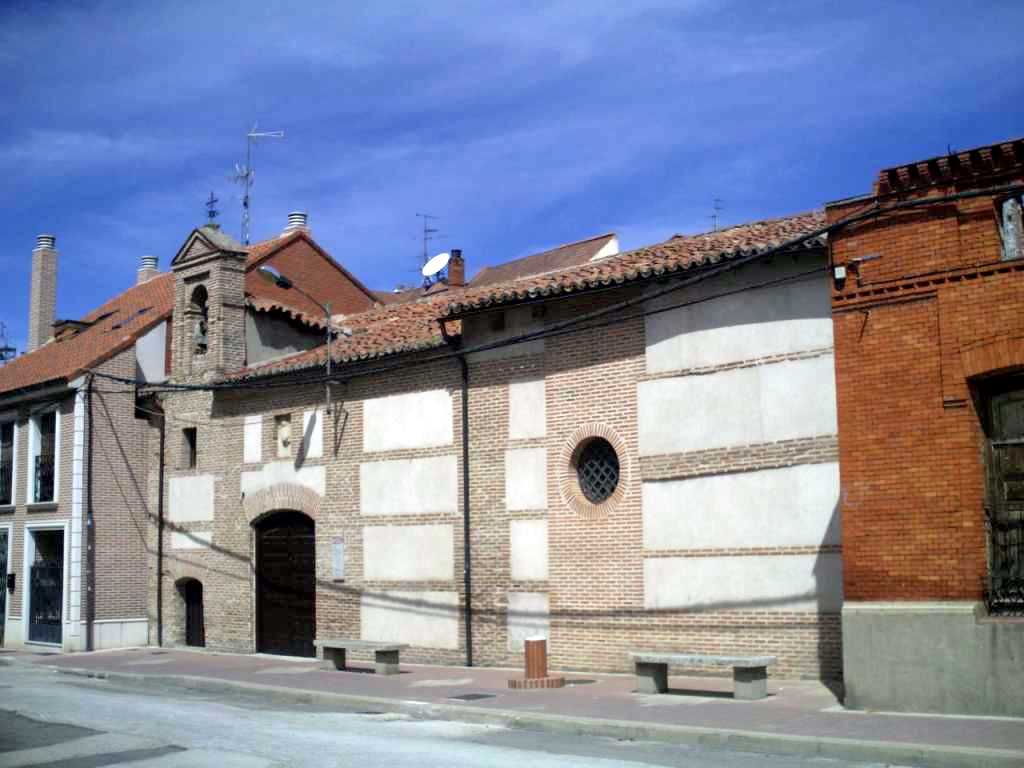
(994, 356)
(281, 496)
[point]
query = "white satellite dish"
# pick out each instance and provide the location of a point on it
(436, 264)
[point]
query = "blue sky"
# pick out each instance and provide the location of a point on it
(522, 125)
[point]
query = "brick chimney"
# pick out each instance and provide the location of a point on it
(42, 302)
(456, 269)
(148, 269)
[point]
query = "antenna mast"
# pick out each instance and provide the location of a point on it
(428, 233)
(716, 208)
(6, 350)
(244, 173)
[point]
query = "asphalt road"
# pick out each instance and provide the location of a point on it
(59, 721)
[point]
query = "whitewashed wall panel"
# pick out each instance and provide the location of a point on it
(191, 498)
(745, 582)
(191, 539)
(742, 406)
(792, 317)
(527, 413)
(426, 619)
(528, 550)
(408, 552)
(409, 486)
(277, 472)
(526, 479)
(528, 616)
(791, 506)
(313, 434)
(252, 439)
(413, 420)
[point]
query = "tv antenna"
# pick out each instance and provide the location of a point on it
(716, 208)
(429, 233)
(434, 266)
(244, 174)
(211, 210)
(6, 350)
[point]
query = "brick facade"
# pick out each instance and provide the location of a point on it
(918, 331)
(595, 581)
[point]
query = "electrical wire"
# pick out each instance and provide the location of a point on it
(582, 322)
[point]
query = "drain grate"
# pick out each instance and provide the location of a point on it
(580, 682)
(473, 696)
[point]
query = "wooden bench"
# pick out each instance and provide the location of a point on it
(385, 654)
(749, 673)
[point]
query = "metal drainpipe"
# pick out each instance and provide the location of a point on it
(466, 549)
(90, 538)
(160, 538)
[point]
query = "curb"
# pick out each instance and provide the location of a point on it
(922, 755)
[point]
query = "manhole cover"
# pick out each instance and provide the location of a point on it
(473, 696)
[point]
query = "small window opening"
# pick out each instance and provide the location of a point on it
(1011, 228)
(498, 321)
(597, 470)
(198, 317)
(6, 465)
(189, 445)
(45, 458)
(283, 435)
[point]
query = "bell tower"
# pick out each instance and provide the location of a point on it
(209, 306)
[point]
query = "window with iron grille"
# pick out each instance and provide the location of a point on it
(7, 463)
(44, 463)
(597, 470)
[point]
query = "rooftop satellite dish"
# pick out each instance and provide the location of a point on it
(436, 264)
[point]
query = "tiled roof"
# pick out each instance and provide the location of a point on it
(112, 328)
(984, 162)
(562, 257)
(674, 255)
(413, 325)
(376, 333)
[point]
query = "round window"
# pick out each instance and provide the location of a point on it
(597, 470)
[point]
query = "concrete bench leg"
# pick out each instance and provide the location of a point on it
(336, 655)
(651, 678)
(386, 662)
(750, 683)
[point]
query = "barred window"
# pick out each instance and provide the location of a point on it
(597, 470)
(6, 463)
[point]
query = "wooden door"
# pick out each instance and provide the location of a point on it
(286, 585)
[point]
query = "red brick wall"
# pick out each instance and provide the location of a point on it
(916, 334)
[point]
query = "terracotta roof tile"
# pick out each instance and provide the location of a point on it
(678, 253)
(376, 333)
(113, 327)
(413, 325)
(562, 257)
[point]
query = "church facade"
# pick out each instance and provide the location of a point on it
(635, 451)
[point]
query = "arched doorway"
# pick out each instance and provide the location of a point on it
(285, 584)
(195, 628)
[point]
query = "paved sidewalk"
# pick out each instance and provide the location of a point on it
(796, 717)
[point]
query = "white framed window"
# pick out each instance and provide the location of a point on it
(44, 457)
(8, 460)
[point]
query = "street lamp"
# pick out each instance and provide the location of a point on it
(281, 281)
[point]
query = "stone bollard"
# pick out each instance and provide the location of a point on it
(536, 658)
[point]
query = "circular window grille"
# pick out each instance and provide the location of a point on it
(598, 470)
